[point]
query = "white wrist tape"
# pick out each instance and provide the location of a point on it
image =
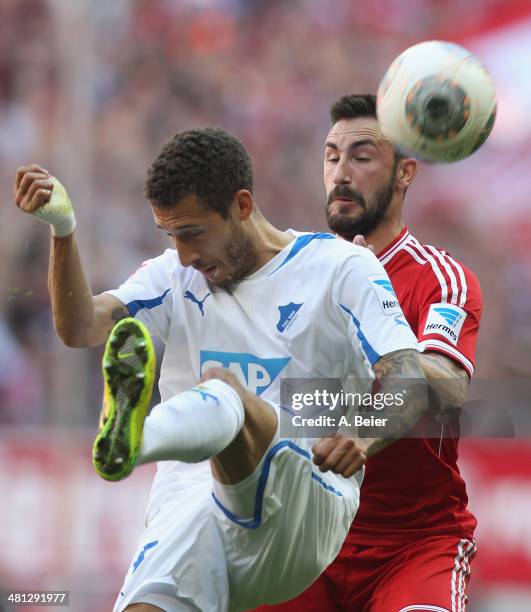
(58, 212)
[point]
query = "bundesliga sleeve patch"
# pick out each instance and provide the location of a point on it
(385, 293)
(446, 320)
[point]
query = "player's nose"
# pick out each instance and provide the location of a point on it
(187, 255)
(342, 175)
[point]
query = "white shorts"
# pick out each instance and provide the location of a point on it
(198, 554)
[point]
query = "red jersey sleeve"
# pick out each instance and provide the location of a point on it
(450, 311)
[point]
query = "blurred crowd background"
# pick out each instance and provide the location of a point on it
(91, 89)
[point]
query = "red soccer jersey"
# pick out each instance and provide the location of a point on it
(413, 488)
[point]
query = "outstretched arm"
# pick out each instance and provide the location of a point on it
(80, 319)
(398, 372)
(447, 378)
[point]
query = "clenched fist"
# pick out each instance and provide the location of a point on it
(40, 194)
(344, 456)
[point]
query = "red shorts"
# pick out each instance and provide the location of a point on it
(429, 575)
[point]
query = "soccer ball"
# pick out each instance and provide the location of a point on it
(436, 102)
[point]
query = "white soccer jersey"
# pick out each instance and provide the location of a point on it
(318, 309)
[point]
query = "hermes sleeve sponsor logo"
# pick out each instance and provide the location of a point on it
(385, 293)
(445, 320)
(287, 315)
(255, 373)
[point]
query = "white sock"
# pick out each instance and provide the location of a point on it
(194, 425)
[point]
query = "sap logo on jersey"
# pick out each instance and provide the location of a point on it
(254, 372)
(386, 294)
(446, 320)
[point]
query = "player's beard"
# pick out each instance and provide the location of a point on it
(373, 210)
(240, 258)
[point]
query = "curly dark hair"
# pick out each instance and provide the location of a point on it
(353, 106)
(207, 162)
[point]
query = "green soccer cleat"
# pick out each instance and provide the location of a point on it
(128, 374)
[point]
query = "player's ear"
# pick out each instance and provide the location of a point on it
(405, 172)
(243, 204)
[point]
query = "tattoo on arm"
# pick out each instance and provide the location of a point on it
(448, 380)
(400, 374)
(443, 366)
(399, 364)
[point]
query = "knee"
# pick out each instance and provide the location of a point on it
(226, 376)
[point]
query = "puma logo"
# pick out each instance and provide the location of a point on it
(190, 296)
